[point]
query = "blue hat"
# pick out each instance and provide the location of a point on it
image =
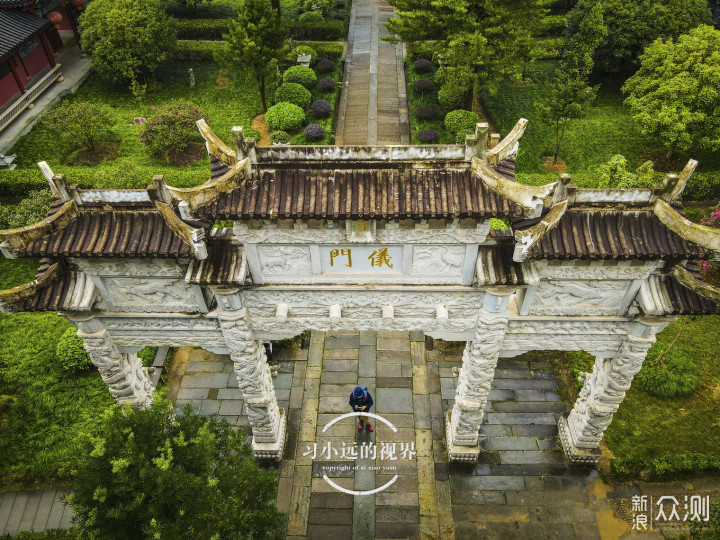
(358, 392)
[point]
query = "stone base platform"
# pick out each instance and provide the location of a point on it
(459, 454)
(262, 450)
(587, 457)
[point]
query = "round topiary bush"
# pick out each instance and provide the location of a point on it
(305, 49)
(424, 113)
(422, 65)
(428, 136)
(668, 374)
(338, 16)
(321, 108)
(325, 66)
(422, 86)
(284, 116)
(314, 132)
(311, 17)
(460, 122)
(451, 97)
(71, 353)
(279, 137)
(301, 75)
(293, 93)
(326, 84)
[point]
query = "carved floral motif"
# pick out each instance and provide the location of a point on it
(438, 259)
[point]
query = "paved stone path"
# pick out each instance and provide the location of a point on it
(373, 106)
(34, 511)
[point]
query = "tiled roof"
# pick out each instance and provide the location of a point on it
(225, 265)
(496, 266)
(684, 300)
(17, 28)
(609, 234)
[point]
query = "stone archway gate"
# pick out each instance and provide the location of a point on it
(283, 239)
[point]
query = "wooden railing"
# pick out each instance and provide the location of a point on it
(28, 97)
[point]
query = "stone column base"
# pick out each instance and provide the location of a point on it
(272, 450)
(463, 454)
(576, 456)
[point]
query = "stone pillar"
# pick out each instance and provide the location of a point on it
(582, 430)
(127, 379)
(478, 369)
(254, 378)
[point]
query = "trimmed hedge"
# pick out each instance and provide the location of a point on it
(665, 467)
(301, 75)
(197, 50)
(293, 93)
(311, 17)
(211, 29)
(319, 31)
(326, 49)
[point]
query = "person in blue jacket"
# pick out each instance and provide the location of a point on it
(361, 400)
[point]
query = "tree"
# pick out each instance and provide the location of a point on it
(81, 124)
(150, 475)
(171, 128)
(614, 174)
(127, 39)
(569, 94)
(256, 42)
(634, 25)
(675, 95)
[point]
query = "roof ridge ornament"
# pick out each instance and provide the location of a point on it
(508, 145)
(525, 239)
(214, 145)
(681, 273)
(674, 185)
(529, 197)
(701, 235)
(193, 238)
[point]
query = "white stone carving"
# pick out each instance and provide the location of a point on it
(571, 327)
(160, 323)
(382, 236)
(255, 381)
(124, 374)
(438, 259)
(285, 259)
(133, 267)
(594, 271)
(604, 390)
(295, 325)
(160, 295)
(362, 298)
(578, 297)
(478, 369)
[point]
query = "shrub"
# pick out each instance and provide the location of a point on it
(614, 174)
(279, 137)
(210, 29)
(322, 5)
(338, 16)
(300, 75)
(319, 31)
(321, 108)
(284, 116)
(149, 473)
(460, 122)
(171, 128)
(424, 113)
(422, 65)
(422, 86)
(81, 124)
(293, 93)
(147, 355)
(314, 132)
(452, 96)
(668, 373)
(30, 210)
(305, 49)
(325, 66)
(428, 136)
(326, 84)
(198, 50)
(71, 352)
(311, 17)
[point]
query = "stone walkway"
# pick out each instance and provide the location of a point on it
(373, 105)
(34, 511)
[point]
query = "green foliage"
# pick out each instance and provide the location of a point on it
(198, 50)
(255, 43)
(279, 137)
(675, 95)
(79, 124)
(452, 96)
(30, 210)
(666, 467)
(209, 29)
(147, 355)
(171, 128)
(127, 39)
(580, 362)
(53, 407)
(71, 352)
(614, 174)
(588, 31)
(325, 49)
(301, 75)
(194, 4)
(317, 31)
(631, 26)
(421, 102)
(311, 17)
(14, 272)
(293, 93)
(322, 5)
(54, 534)
(496, 223)
(460, 123)
(284, 116)
(305, 49)
(154, 475)
(707, 530)
(668, 373)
